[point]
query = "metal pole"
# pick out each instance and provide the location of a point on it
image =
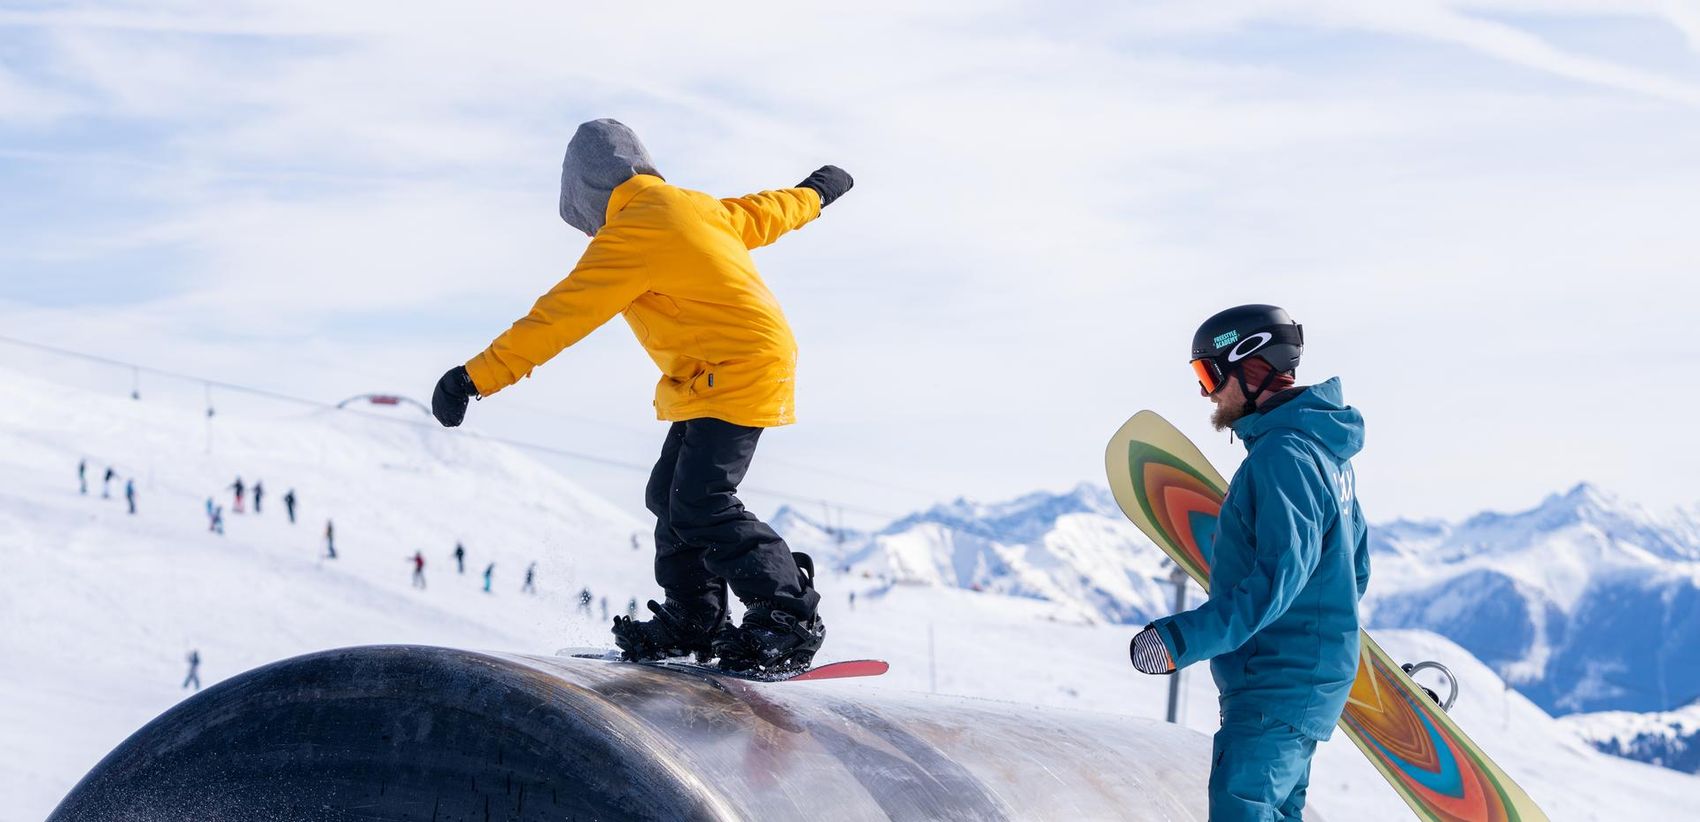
(1179, 578)
(207, 387)
(932, 672)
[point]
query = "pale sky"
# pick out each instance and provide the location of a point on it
(1483, 212)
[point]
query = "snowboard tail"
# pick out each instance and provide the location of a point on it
(1164, 484)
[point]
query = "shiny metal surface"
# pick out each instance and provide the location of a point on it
(1452, 681)
(402, 732)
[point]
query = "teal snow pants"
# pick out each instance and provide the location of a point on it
(1260, 768)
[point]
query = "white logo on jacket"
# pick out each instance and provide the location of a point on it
(1345, 485)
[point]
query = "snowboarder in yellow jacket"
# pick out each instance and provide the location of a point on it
(676, 263)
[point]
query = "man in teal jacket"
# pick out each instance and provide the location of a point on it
(1290, 558)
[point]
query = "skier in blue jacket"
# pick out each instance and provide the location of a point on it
(1289, 560)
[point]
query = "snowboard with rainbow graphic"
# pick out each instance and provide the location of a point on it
(1165, 486)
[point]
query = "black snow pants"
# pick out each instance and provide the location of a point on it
(705, 541)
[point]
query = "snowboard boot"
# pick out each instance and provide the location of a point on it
(772, 640)
(675, 631)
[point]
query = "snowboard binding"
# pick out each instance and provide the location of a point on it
(674, 632)
(1411, 670)
(771, 640)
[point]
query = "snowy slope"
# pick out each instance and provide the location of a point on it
(1030, 651)
(1668, 738)
(97, 608)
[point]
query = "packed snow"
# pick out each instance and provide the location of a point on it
(100, 607)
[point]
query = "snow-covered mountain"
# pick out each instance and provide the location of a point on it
(1074, 549)
(1585, 602)
(98, 606)
(1667, 738)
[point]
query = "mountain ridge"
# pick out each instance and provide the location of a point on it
(1530, 591)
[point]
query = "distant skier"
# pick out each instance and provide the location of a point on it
(211, 526)
(1291, 560)
(489, 571)
(330, 540)
(130, 493)
(289, 504)
(106, 483)
(634, 542)
(852, 600)
(218, 519)
(530, 586)
(82, 476)
(237, 487)
(259, 491)
(676, 263)
(604, 603)
(194, 670)
(631, 608)
(460, 558)
(584, 600)
(419, 570)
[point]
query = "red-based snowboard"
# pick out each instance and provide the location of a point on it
(832, 670)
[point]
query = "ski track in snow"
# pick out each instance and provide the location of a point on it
(99, 608)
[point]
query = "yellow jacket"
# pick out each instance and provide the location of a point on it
(677, 264)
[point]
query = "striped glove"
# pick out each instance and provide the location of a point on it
(1148, 653)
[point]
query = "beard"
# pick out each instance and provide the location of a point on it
(1227, 414)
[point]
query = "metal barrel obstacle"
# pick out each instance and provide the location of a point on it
(422, 733)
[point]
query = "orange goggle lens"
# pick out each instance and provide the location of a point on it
(1208, 377)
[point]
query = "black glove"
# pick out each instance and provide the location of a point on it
(454, 390)
(830, 182)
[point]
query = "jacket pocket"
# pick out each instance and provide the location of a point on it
(701, 380)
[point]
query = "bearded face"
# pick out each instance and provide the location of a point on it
(1230, 405)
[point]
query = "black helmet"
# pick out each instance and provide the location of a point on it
(1223, 342)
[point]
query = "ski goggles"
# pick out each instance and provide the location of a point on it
(1210, 375)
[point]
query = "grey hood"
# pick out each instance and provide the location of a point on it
(602, 155)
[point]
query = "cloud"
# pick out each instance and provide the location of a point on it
(1685, 16)
(28, 104)
(1517, 46)
(1452, 21)
(342, 194)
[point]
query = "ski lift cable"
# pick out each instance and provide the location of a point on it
(279, 396)
(529, 408)
(210, 383)
(641, 431)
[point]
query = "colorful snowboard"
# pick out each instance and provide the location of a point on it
(1165, 486)
(832, 670)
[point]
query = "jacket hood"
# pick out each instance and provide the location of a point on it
(1318, 412)
(602, 155)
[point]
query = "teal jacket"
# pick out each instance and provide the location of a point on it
(1290, 558)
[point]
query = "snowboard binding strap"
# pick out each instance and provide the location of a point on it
(1411, 670)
